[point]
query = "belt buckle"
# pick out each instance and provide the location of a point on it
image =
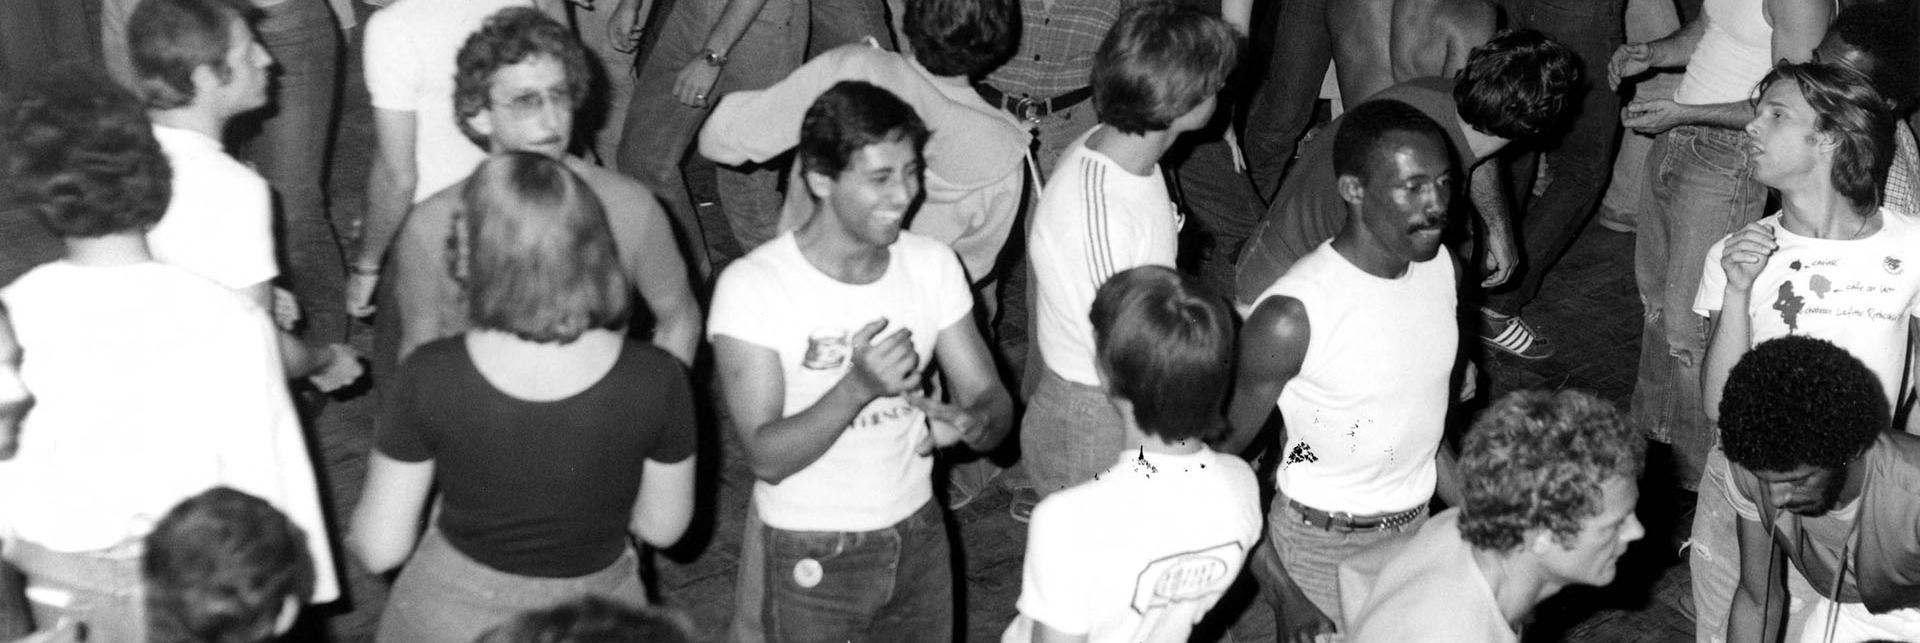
(1028, 110)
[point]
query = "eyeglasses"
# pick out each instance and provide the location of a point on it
(533, 103)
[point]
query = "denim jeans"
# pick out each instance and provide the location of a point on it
(750, 582)
(1579, 162)
(603, 120)
(1311, 555)
(659, 130)
(1282, 106)
(1713, 560)
(443, 596)
(1221, 205)
(892, 584)
(101, 589)
(287, 142)
(1700, 189)
(1070, 433)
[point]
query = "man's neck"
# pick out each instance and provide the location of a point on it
(837, 254)
(1517, 584)
(119, 249)
(1821, 212)
(1135, 153)
(1359, 248)
(1481, 144)
(1138, 440)
(190, 118)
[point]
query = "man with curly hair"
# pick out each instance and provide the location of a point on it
(1818, 479)
(1515, 86)
(1550, 480)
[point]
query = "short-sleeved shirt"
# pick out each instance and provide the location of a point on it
(1860, 294)
(410, 54)
(1308, 210)
(1141, 551)
(1423, 586)
(545, 488)
(219, 223)
(774, 298)
(1094, 219)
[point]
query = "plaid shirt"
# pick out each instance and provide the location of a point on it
(1903, 181)
(1057, 42)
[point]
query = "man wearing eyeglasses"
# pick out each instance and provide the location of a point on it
(517, 83)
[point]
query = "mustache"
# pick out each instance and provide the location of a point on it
(1435, 222)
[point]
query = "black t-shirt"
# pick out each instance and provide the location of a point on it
(538, 488)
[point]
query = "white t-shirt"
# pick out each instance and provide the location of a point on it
(1365, 415)
(410, 53)
(150, 385)
(1733, 54)
(1860, 294)
(773, 297)
(219, 223)
(1142, 551)
(1094, 219)
(1423, 586)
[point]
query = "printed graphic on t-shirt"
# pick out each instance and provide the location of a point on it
(1842, 288)
(1789, 304)
(827, 349)
(1186, 577)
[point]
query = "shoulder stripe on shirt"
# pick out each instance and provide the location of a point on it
(1093, 198)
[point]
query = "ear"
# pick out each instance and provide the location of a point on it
(289, 612)
(1826, 142)
(820, 185)
(482, 122)
(1540, 541)
(1351, 189)
(203, 79)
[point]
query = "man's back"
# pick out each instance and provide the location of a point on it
(1377, 43)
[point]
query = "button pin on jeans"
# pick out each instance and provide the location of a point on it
(807, 573)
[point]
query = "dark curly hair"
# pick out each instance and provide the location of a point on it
(510, 37)
(1158, 62)
(220, 567)
(1166, 343)
(1517, 85)
(1538, 460)
(1797, 401)
(1845, 107)
(78, 151)
(1362, 134)
(592, 619)
(850, 116)
(962, 37)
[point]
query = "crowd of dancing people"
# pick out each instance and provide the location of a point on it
(1201, 284)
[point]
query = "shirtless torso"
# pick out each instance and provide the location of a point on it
(1377, 43)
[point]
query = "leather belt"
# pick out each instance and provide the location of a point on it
(1342, 521)
(1030, 108)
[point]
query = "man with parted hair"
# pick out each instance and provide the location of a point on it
(223, 565)
(197, 65)
(830, 413)
(1816, 478)
(1550, 481)
(1514, 87)
(1105, 210)
(519, 80)
(1146, 548)
(1355, 346)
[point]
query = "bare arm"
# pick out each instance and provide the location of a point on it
(664, 507)
(1489, 195)
(1044, 634)
(754, 391)
(982, 411)
(386, 525)
(696, 78)
(1798, 27)
(653, 262)
(1742, 256)
(1449, 484)
(1238, 13)
(1759, 600)
(1273, 344)
(390, 182)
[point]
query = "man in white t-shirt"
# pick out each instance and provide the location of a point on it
(418, 150)
(1105, 210)
(1355, 345)
(1550, 481)
(822, 338)
(197, 65)
(150, 383)
(1832, 264)
(1141, 552)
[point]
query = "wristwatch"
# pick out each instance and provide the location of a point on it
(713, 58)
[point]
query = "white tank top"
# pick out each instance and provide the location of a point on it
(1365, 415)
(1734, 53)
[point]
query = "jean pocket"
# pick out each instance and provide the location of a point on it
(789, 546)
(1724, 153)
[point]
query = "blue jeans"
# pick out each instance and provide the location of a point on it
(101, 589)
(1579, 163)
(1700, 189)
(1282, 106)
(1311, 555)
(659, 130)
(444, 596)
(289, 148)
(1069, 434)
(892, 584)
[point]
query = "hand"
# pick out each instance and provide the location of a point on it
(286, 309)
(1631, 59)
(1654, 115)
(1500, 262)
(1745, 255)
(624, 27)
(947, 424)
(694, 86)
(887, 368)
(1302, 622)
(360, 293)
(1469, 382)
(1233, 145)
(344, 369)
